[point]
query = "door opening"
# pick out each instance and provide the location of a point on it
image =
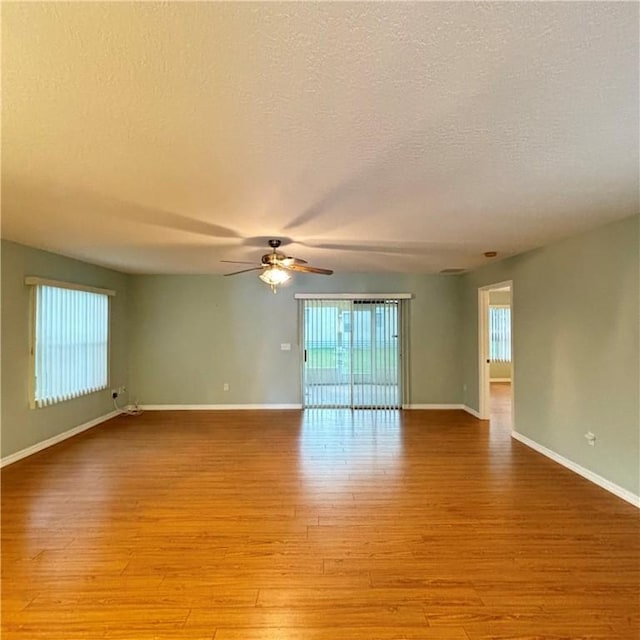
(495, 353)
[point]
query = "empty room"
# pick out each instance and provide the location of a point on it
(320, 321)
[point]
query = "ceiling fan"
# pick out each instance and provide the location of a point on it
(275, 267)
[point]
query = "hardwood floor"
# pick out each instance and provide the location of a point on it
(330, 525)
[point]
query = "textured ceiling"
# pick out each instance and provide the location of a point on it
(164, 137)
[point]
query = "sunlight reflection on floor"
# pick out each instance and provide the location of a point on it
(341, 447)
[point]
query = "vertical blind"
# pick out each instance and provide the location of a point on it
(500, 334)
(71, 343)
(351, 353)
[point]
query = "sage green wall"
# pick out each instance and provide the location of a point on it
(575, 347)
(191, 334)
(500, 370)
(23, 427)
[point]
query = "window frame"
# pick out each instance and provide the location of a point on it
(33, 282)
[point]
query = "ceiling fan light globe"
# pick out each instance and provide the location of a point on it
(274, 276)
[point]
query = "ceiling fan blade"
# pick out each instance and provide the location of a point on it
(235, 273)
(307, 269)
(289, 260)
(237, 262)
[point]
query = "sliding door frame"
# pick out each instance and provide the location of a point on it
(402, 364)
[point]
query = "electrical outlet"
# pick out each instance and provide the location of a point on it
(225, 386)
(114, 393)
(121, 390)
(591, 438)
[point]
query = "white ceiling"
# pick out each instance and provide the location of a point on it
(164, 137)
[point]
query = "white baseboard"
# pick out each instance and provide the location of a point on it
(215, 407)
(629, 497)
(14, 457)
(473, 412)
(499, 379)
(436, 407)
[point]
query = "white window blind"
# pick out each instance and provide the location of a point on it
(500, 332)
(70, 343)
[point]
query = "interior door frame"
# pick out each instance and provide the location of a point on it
(484, 375)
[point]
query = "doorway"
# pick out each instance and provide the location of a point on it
(495, 353)
(351, 353)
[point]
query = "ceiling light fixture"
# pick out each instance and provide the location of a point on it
(275, 267)
(274, 276)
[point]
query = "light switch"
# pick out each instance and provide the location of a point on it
(285, 346)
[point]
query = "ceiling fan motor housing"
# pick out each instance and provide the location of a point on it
(272, 258)
(273, 262)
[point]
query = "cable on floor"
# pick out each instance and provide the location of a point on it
(136, 411)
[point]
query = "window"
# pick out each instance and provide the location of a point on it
(500, 333)
(70, 341)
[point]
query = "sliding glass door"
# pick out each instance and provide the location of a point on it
(351, 353)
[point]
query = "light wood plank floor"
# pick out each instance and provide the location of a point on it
(331, 525)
